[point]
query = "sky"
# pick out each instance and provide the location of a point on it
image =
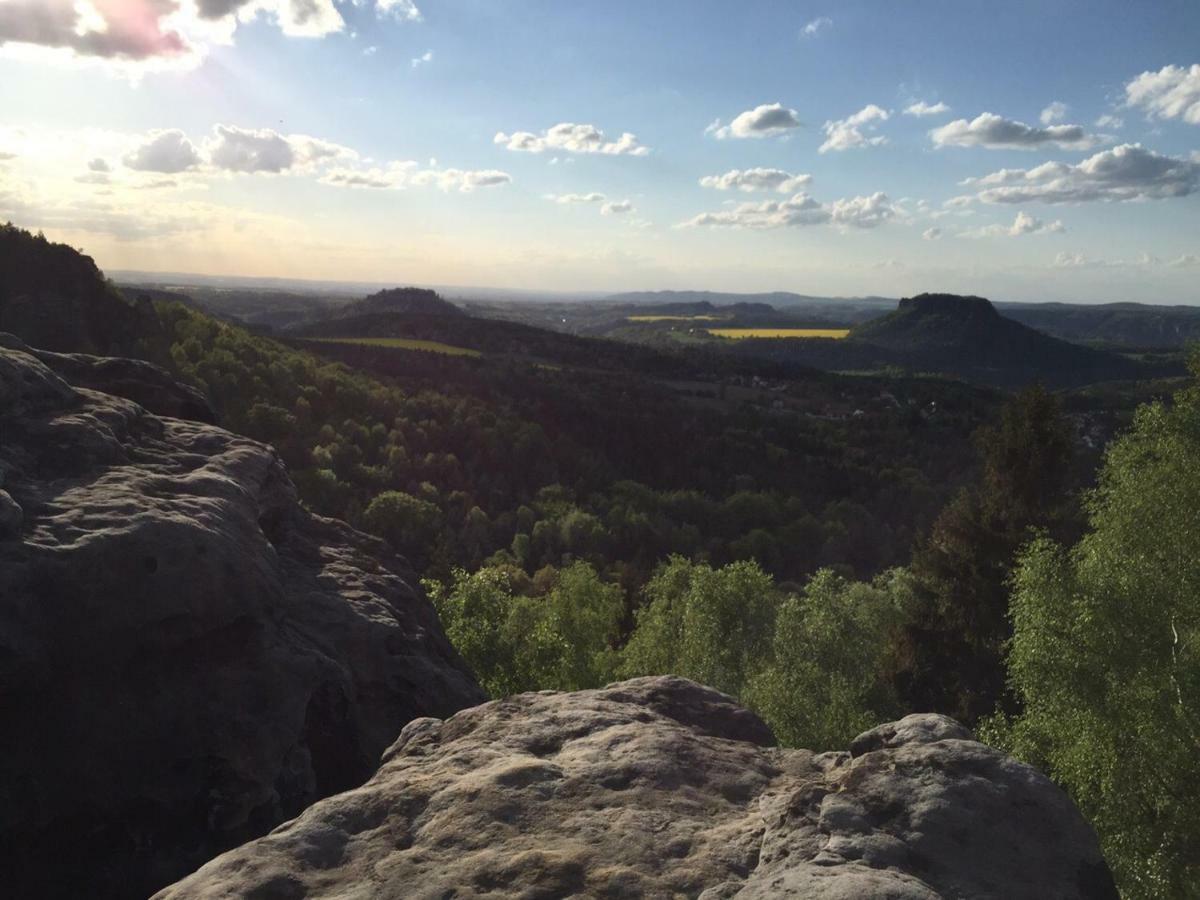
(1042, 150)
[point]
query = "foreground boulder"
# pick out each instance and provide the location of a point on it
(187, 657)
(659, 787)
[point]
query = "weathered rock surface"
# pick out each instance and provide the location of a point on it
(187, 657)
(659, 787)
(144, 383)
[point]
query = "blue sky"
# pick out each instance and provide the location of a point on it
(580, 146)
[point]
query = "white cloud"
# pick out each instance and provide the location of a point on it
(1172, 92)
(817, 25)
(295, 18)
(997, 133)
(862, 212)
(1143, 260)
(462, 180)
(573, 139)
(164, 151)
(616, 208)
(593, 197)
(799, 210)
(766, 120)
(424, 58)
(1023, 224)
(931, 234)
(132, 37)
(1110, 121)
(1055, 112)
(757, 179)
(846, 134)
(251, 150)
(921, 109)
(391, 177)
(1127, 172)
(405, 10)
(128, 30)
(399, 175)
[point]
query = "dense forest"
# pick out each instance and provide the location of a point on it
(833, 550)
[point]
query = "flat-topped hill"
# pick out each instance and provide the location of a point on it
(403, 301)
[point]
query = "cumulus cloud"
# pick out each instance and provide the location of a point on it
(817, 25)
(1172, 92)
(1126, 172)
(998, 133)
(573, 139)
(1023, 224)
(616, 208)
(99, 165)
(921, 109)
(931, 234)
(426, 57)
(848, 133)
(110, 29)
(136, 36)
(1055, 112)
(295, 18)
(757, 179)
(766, 120)
(167, 151)
(250, 150)
(799, 210)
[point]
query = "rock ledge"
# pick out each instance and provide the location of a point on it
(659, 787)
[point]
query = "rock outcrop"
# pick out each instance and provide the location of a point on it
(187, 657)
(659, 787)
(134, 379)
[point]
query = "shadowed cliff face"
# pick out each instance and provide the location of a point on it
(659, 787)
(187, 657)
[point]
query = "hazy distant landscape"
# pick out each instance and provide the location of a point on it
(462, 450)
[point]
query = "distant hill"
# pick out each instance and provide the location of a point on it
(961, 336)
(401, 301)
(1115, 324)
(777, 299)
(966, 336)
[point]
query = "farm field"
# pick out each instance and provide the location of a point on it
(736, 333)
(401, 344)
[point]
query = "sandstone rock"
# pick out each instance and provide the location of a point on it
(144, 383)
(659, 787)
(187, 657)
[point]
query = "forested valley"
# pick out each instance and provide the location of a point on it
(880, 544)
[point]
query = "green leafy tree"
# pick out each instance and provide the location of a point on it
(711, 625)
(827, 679)
(406, 522)
(1106, 655)
(555, 632)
